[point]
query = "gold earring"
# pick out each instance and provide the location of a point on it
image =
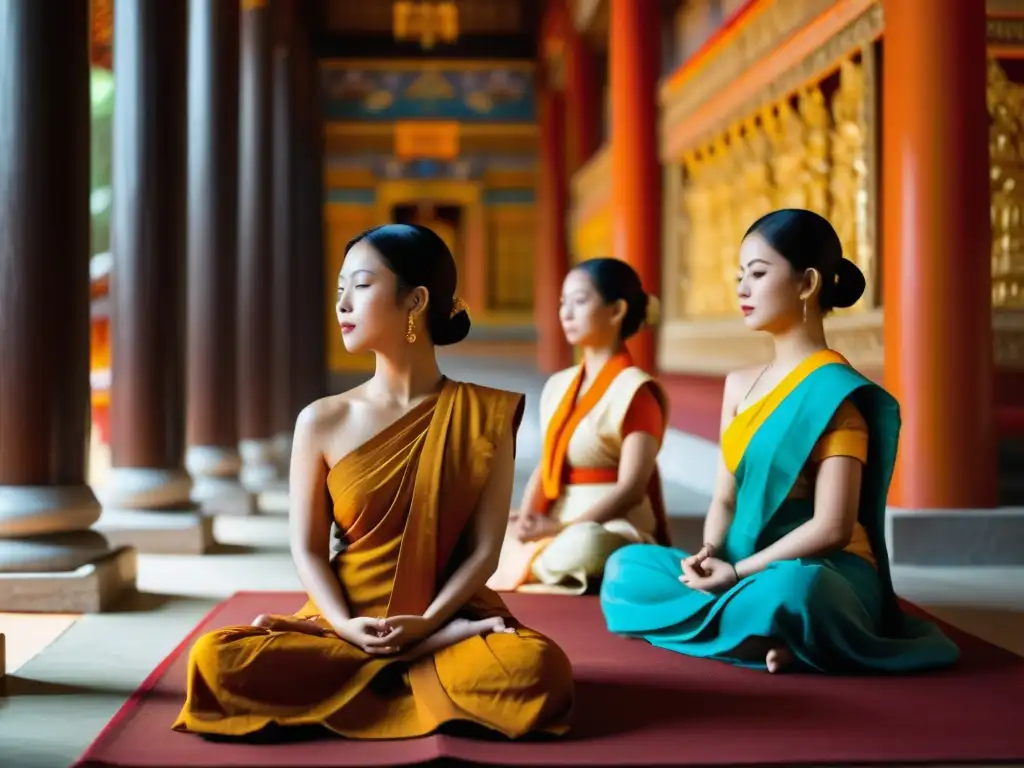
(805, 310)
(410, 331)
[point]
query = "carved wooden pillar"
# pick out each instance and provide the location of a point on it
(147, 497)
(283, 243)
(212, 455)
(255, 303)
(636, 174)
(583, 101)
(552, 256)
(46, 508)
(309, 354)
(937, 238)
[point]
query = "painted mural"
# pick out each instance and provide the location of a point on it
(469, 94)
(465, 168)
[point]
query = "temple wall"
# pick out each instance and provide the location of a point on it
(749, 124)
(449, 144)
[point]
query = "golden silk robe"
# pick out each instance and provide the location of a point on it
(403, 499)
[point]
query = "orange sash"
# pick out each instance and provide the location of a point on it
(566, 418)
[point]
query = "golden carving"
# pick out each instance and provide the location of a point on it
(801, 152)
(680, 105)
(848, 187)
(1005, 32)
(817, 126)
(1005, 102)
(757, 190)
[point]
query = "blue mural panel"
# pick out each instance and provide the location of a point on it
(465, 168)
(499, 94)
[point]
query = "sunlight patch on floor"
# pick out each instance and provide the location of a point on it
(28, 634)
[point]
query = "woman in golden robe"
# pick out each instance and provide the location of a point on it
(597, 486)
(399, 636)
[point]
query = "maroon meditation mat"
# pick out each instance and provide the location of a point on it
(636, 705)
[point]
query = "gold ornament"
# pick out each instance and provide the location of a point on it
(653, 314)
(410, 331)
(458, 305)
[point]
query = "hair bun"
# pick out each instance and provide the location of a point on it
(450, 329)
(850, 285)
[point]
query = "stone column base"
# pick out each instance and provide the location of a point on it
(223, 496)
(283, 453)
(94, 587)
(259, 464)
(145, 488)
(955, 537)
(274, 500)
(184, 530)
(215, 483)
(151, 509)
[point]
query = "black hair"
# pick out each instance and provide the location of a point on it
(614, 280)
(419, 257)
(808, 241)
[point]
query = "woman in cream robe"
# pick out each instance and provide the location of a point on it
(597, 486)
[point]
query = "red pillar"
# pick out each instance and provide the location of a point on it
(937, 237)
(552, 254)
(634, 45)
(583, 101)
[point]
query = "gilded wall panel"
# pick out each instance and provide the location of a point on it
(1006, 165)
(511, 243)
(812, 149)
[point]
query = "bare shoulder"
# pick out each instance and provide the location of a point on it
(738, 382)
(325, 415)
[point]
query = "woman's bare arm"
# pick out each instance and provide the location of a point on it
(723, 497)
(487, 533)
(531, 494)
(309, 519)
(836, 505)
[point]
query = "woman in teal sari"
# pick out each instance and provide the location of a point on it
(794, 571)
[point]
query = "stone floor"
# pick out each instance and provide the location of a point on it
(62, 689)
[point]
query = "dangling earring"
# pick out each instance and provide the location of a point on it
(805, 310)
(410, 331)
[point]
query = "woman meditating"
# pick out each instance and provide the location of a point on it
(794, 570)
(399, 636)
(597, 486)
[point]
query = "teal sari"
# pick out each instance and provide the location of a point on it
(836, 613)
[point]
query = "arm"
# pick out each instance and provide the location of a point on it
(309, 520)
(487, 531)
(723, 496)
(836, 502)
(636, 465)
(531, 493)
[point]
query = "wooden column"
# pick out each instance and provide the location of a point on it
(147, 480)
(937, 237)
(309, 354)
(636, 175)
(212, 454)
(473, 276)
(552, 255)
(46, 507)
(583, 101)
(255, 308)
(284, 253)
